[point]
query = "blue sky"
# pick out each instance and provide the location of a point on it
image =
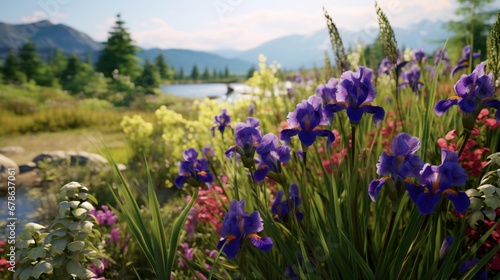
(220, 24)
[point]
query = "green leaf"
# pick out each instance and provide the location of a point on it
(58, 245)
(26, 273)
(178, 225)
(79, 213)
(36, 253)
(74, 204)
(86, 205)
(40, 268)
(76, 246)
(63, 209)
(76, 269)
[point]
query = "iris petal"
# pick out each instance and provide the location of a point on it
(231, 249)
(443, 105)
(307, 137)
(461, 201)
(287, 134)
(374, 188)
(378, 113)
(261, 173)
(262, 243)
(426, 202)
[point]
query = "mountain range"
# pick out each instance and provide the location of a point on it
(292, 51)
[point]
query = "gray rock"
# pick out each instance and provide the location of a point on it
(27, 167)
(75, 158)
(6, 164)
(11, 150)
(83, 158)
(54, 156)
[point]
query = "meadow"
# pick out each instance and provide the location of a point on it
(353, 173)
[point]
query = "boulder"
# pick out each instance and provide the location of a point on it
(81, 158)
(54, 156)
(27, 167)
(6, 163)
(11, 150)
(74, 158)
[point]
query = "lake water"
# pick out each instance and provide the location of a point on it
(200, 91)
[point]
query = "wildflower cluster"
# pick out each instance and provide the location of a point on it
(137, 131)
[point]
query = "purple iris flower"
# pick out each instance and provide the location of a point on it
(208, 152)
(355, 93)
(221, 122)
(193, 170)
(464, 61)
(411, 78)
(306, 121)
(438, 180)
(271, 156)
(402, 164)
(327, 92)
(467, 265)
(472, 91)
(419, 56)
(238, 226)
(280, 209)
(251, 109)
(247, 137)
(445, 246)
(439, 56)
(384, 67)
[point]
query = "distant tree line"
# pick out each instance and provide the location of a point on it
(205, 76)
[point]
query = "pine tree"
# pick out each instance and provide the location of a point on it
(250, 72)
(195, 73)
(119, 53)
(206, 74)
(162, 67)
(58, 63)
(73, 76)
(473, 27)
(29, 61)
(150, 77)
(214, 74)
(180, 76)
(226, 72)
(11, 70)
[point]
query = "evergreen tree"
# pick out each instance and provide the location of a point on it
(206, 74)
(29, 61)
(75, 75)
(150, 78)
(195, 73)
(162, 67)
(226, 72)
(119, 53)
(214, 74)
(473, 27)
(58, 63)
(11, 70)
(180, 76)
(250, 72)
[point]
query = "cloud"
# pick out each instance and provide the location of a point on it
(235, 29)
(39, 15)
(235, 32)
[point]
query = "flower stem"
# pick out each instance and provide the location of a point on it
(354, 198)
(464, 143)
(400, 114)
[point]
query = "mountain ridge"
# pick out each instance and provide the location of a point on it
(291, 51)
